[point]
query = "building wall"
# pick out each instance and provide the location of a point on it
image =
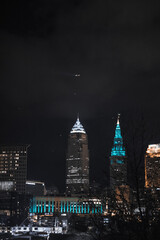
(35, 188)
(152, 166)
(118, 171)
(13, 167)
(52, 205)
(77, 164)
(15, 206)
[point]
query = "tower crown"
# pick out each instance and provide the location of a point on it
(78, 128)
(118, 149)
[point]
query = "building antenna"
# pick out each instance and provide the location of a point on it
(76, 75)
(118, 118)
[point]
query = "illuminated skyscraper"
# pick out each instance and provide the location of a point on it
(118, 165)
(152, 166)
(13, 168)
(77, 162)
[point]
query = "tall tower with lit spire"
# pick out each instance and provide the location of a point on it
(118, 165)
(77, 162)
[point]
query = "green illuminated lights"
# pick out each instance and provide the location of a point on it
(118, 149)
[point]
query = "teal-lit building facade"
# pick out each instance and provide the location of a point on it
(59, 205)
(118, 164)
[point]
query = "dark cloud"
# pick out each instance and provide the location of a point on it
(114, 45)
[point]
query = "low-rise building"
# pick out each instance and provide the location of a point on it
(54, 205)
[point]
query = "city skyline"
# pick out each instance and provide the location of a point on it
(112, 154)
(98, 58)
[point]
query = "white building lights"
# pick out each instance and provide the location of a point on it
(78, 128)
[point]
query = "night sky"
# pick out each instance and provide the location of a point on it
(113, 44)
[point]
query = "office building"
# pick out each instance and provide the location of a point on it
(118, 165)
(13, 168)
(152, 166)
(77, 162)
(35, 188)
(14, 207)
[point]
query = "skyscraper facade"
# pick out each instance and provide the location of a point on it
(152, 166)
(77, 162)
(13, 168)
(118, 165)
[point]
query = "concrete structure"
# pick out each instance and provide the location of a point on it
(77, 162)
(152, 166)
